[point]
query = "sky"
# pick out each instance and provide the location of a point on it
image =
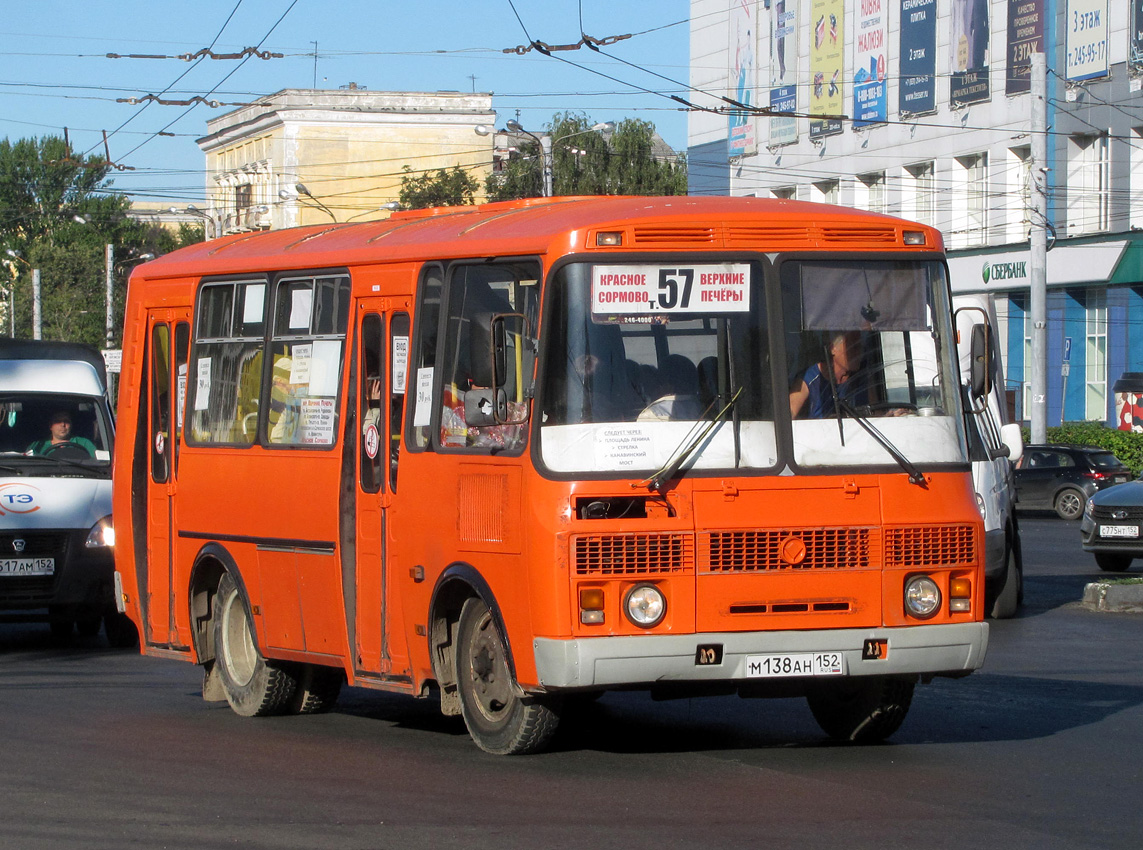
(55, 73)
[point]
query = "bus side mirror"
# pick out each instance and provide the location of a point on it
(513, 359)
(981, 370)
(484, 407)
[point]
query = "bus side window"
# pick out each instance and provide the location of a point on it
(424, 358)
(160, 402)
(399, 336)
(373, 450)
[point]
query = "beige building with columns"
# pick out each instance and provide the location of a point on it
(305, 156)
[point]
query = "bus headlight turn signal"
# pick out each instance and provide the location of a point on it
(645, 605)
(591, 605)
(922, 597)
(960, 595)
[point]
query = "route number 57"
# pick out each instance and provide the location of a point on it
(675, 288)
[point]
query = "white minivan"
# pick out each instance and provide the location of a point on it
(56, 537)
(994, 447)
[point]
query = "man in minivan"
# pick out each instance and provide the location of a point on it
(61, 435)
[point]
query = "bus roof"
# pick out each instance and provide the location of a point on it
(539, 225)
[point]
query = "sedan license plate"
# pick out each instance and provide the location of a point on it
(27, 566)
(1119, 531)
(795, 664)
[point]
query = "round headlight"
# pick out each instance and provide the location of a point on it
(922, 597)
(645, 605)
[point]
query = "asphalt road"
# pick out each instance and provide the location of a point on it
(1040, 749)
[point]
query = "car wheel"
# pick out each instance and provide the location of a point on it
(500, 720)
(1112, 563)
(254, 687)
(1007, 601)
(1069, 504)
(863, 709)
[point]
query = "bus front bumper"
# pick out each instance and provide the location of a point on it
(950, 649)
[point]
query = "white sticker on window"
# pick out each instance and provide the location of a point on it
(300, 357)
(253, 306)
(325, 367)
(202, 389)
(659, 290)
(623, 447)
(400, 363)
(317, 420)
(423, 412)
(301, 304)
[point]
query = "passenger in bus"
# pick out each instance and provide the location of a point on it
(813, 395)
(283, 403)
(680, 399)
(60, 435)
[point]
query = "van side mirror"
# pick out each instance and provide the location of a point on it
(981, 369)
(1012, 439)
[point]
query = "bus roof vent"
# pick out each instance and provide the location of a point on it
(763, 238)
(667, 234)
(851, 235)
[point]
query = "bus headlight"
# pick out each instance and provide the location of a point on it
(922, 597)
(645, 605)
(101, 534)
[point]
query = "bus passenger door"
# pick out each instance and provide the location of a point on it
(382, 356)
(168, 344)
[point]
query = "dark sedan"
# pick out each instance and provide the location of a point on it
(1061, 478)
(1111, 525)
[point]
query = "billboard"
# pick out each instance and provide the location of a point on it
(783, 70)
(826, 62)
(969, 49)
(917, 93)
(1025, 37)
(870, 100)
(1086, 41)
(742, 78)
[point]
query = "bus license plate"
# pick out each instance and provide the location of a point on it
(795, 664)
(27, 566)
(1119, 531)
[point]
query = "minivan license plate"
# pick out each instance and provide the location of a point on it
(795, 664)
(27, 566)
(1119, 531)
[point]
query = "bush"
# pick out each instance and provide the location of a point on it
(1126, 445)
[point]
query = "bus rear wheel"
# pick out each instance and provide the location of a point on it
(499, 719)
(254, 687)
(861, 710)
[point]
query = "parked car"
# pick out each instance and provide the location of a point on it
(1062, 478)
(1111, 526)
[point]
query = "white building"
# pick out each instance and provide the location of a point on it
(920, 108)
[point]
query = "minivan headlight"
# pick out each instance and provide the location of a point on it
(101, 534)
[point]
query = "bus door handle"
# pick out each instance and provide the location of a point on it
(386, 500)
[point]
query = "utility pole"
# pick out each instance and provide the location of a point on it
(1038, 239)
(110, 257)
(37, 307)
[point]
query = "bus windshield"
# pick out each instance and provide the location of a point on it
(638, 354)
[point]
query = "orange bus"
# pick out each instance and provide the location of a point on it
(514, 454)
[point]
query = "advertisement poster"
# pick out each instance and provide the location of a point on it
(917, 93)
(870, 63)
(1025, 37)
(783, 65)
(826, 61)
(1086, 39)
(1135, 54)
(970, 52)
(742, 77)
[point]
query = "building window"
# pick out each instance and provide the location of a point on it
(1018, 198)
(826, 192)
(1089, 174)
(871, 192)
(1095, 397)
(970, 207)
(919, 201)
(243, 197)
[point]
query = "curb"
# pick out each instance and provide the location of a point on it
(1120, 598)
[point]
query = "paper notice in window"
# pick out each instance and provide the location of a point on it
(423, 413)
(624, 447)
(300, 358)
(301, 303)
(202, 388)
(317, 420)
(325, 367)
(400, 363)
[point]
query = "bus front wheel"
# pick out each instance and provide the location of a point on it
(254, 687)
(862, 709)
(499, 719)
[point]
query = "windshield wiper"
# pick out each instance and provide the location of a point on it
(915, 475)
(693, 439)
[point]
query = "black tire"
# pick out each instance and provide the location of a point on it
(861, 710)
(318, 689)
(120, 630)
(1110, 563)
(1069, 504)
(62, 623)
(499, 719)
(1007, 601)
(254, 687)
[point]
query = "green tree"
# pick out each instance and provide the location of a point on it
(57, 213)
(441, 188)
(587, 162)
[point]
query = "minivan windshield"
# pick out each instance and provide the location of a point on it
(54, 431)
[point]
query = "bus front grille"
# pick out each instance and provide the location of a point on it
(787, 549)
(930, 546)
(632, 554)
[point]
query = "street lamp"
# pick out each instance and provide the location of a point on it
(207, 232)
(301, 190)
(391, 206)
(545, 141)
